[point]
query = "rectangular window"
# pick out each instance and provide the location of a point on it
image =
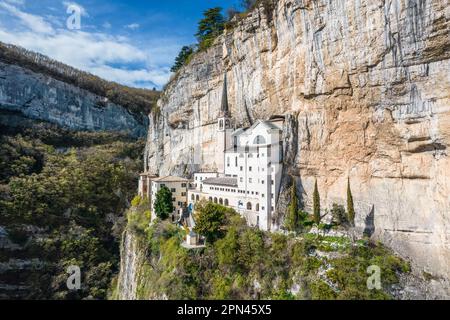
(241, 179)
(250, 169)
(242, 168)
(250, 180)
(173, 190)
(173, 199)
(236, 162)
(183, 185)
(262, 182)
(183, 194)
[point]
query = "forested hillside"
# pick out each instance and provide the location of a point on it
(62, 199)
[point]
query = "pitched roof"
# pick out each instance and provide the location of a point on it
(223, 181)
(170, 179)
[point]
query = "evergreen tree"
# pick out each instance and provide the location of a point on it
(163, 203)
(316, 204)
(350, 207)
(293, 218)
(211, 26)
(182, 58)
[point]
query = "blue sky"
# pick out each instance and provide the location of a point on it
(133, 42)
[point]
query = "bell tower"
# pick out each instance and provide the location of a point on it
(224, 129)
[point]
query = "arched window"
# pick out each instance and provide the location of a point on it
(210, 199)
(197, 198)
(221, 124)
(249, 206)
(227, 203)
(257, 207)
(259, 140)
(221, 201)
(215, 200)
(193, 197)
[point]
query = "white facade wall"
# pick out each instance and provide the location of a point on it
(255, 160)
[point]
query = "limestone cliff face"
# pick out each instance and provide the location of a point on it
(132, 258)
(41, 97)
(367, 88)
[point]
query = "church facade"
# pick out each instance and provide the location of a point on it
(249, 169)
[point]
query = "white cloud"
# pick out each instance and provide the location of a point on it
(33, 22)
(114, 58)
(133, 26)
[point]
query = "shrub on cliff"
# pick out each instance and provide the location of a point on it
(350, 206)
(339, 215)
(316, 205)
(211, 219)
(183, 58)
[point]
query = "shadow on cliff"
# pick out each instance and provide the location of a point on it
(369, 223)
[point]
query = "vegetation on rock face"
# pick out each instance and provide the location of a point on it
(214, 23)
(182, 58)
(62, 198)
(163, 203)
(137, 101)
(210, 219)
(350, 207)
(246, 263)
(295, 217)
(316, 204)
(210, 27)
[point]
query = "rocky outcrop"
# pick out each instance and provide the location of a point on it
(368, 84)
(132, 255)
(40, 97)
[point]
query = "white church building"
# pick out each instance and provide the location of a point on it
(249, 168)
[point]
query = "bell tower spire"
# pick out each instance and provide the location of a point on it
(224, 128)
(224, 109)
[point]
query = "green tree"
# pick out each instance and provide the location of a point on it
(339, 214)
(210, 220)
(293, 213)
(316, 204)
(211, 26)
(350, 207)
(182, 58)
(163, 203)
